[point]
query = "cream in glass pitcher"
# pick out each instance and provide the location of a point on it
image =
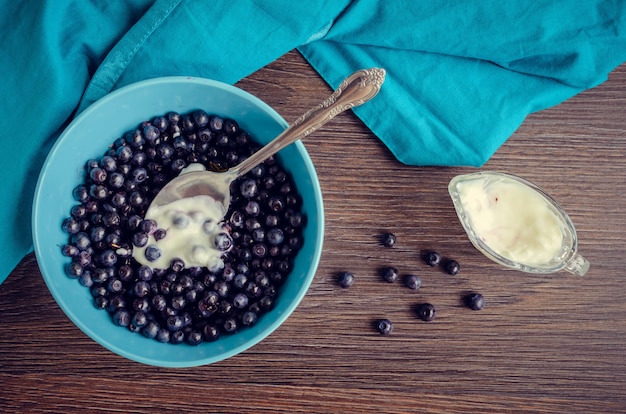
(515, 223)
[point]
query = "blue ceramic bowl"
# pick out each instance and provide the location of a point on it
(89, 135)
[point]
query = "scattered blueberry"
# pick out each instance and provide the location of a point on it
(426, 312)
(384, 326)
(432, 258)
(345, 279)
(388, 239)
(474, 301)
(390, 274)
(413, 281)
(452, 267)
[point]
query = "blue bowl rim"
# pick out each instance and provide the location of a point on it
(279, 318)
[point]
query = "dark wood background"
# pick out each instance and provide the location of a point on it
(542, 344)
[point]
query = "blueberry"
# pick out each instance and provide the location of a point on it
(230, 126)
(249, 188)
(136, 199)
(276, 204)
(71, 225)
(111, 219)
(177, 337)
(210, 332)
(124, 154)
(181, 220)
(144, 273)
(134, 139)
(239, 281)
(152, 253)
(432, 258)
(85, 279)
(240, 300)
(163, 335)
(101, 302)
(159, 302)
(452, 267)
(151, 330)
(74, 270)
(389, 274)
(222, 288)
(121, 317)
(237, 218)
(177, 265)
(81, 193)
(384, 326)
(200, 118)
(139, 175)
(159, 234)
(252, 208)
(215, 123)
(141, 304)
(70, 250)
(426, 312)
(174, 323)
(107, 258)
(125, 273)
(140, 239)
(194, 337)
(116, 302)
(388, 239)
(266, 302)
(118, 199)
(474, 301)
(108, 163)
(275, 236)
(178, 302)
(230, 325)
(115, 285)
(413, 281)
(139, 319)
(139, 159)
(79, 211)
(99, 175)
(164, 151)
(223, 241)
(141, 288)
(248, 318)
(259, 250)
(345, 279)
(151, 133)
(178, 165)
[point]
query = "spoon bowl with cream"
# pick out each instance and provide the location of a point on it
(515, 223)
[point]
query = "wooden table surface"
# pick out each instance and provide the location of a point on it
(542, 344)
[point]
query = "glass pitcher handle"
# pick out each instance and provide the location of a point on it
(577, 265)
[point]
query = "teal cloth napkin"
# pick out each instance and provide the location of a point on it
(462, 76)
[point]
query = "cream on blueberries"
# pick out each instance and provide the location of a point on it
(194, 230)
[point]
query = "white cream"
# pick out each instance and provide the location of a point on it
(512, 219)
(194, 228)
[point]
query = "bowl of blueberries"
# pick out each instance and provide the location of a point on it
(90, 223)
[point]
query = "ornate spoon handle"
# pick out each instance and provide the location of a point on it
(355, 90)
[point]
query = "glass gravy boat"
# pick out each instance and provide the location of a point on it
(516, 224)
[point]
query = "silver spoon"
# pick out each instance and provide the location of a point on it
(355, 90)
